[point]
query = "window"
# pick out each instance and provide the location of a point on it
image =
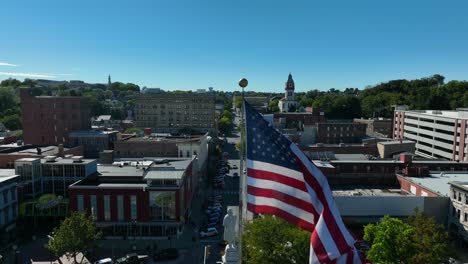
(466, 198)
(79, 203)
(133, 207)
(162, 206)
(459, 196)
(454, 194)
(188, 153)
(466, 217)
(94, 211)
(120, 209)
(13, 193)
(195, 152)
(107, 214)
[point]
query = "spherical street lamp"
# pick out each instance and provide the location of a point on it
(243, 83)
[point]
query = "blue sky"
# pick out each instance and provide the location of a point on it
(197, 44)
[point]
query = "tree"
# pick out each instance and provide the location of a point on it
(74, 235)
(272, 240)
(419, 240)
(224, 125)
(133, 130)
(12, 122)
(273, 106)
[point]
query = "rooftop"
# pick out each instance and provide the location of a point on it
(396, 142)
(439, 182)
(191, 138)
(170, 170)
(91, 133)
(7, 174)
(441, 113)
(120, 171)
(370, 192)
(71, 160)
(461, 184)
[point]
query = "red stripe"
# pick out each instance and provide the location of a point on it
(265, 209)
(319, 249)
(293, 201)
(329, 218)
(271, 176)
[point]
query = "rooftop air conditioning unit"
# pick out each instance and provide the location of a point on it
(77, 159)
(50, 158)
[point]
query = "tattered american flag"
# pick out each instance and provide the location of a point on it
(283, 182)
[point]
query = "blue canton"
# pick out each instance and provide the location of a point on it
(265, 143)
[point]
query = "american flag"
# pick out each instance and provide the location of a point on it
(283, 182)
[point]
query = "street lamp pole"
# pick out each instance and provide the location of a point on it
(243, 195)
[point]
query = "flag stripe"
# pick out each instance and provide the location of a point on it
(297, 212)
(275, 181)
(318, 250)
(273, 176)
(330, 219)
(273, 210)
(270, 193)
(274, 168)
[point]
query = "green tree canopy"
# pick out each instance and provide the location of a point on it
(73, 235)
(133, 130)
(420, 240)
(272, 240)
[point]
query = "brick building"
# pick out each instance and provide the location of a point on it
(138, 198)
(333, 133)
(47, 120)
(93, 141)
(167, 112)
(377, 126)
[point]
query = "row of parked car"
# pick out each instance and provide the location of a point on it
(133, 258)
(213, 213)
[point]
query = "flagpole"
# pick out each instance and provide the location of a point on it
(243, 203)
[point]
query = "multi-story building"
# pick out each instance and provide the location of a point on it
(93, 141)
(138, 198)
(438, 134)
(377, 126)
(51, 174)
(170, 112)
(334, 133)
(458, 217)
(47, 120)
(8, 204)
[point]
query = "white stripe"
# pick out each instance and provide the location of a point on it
(326, 238)
(297, 212)
(312, 256)
(277, 186)
(258, 165)
(322, 180)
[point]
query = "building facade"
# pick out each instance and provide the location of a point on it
(47, 120)
(458, 217)
(438, 134)
(288, 103)
(138, 199)
(93, 141)
(377, 126)
(51, 174)
(170, 112)
(8, 204)
(334, 133)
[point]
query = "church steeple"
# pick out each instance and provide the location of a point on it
(289, 83)
(109, 81)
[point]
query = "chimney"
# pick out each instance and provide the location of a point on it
(147, 131)
(39, 151)
(60, 150)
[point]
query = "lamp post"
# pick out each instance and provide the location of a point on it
(243, 195)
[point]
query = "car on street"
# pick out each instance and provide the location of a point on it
(212, 231)
(168, 253)
(213, 220)
(104, 261)
(132, 258)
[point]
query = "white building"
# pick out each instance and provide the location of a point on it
(288, 103)
(8, 204)
(438, 134)
(458, 218)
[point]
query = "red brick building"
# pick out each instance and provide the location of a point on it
(47, 120)
(334, 133)
(138, 199)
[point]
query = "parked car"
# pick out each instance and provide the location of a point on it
(213, 220)
(168, 253)
(104, 261)
(132, 258)
(235, 174)
(212, 231)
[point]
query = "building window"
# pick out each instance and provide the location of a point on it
(162, 206)
(13, 193)
(466, 199)
(79, 203)
(454, 194)
(120, 208)
(459, 196)
(195, 152)
(466, 217)
(107, 214)
(188, 153)
(94, 210)
(133, 207)
(181, 154)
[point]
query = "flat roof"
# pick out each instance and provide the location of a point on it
(396, 142)
(439, 182)
(120, 171)
(351, 157)
(7, 172)
(170, 170)
(68, 161)
(369, 192)
(461, 184)
(440, 113)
